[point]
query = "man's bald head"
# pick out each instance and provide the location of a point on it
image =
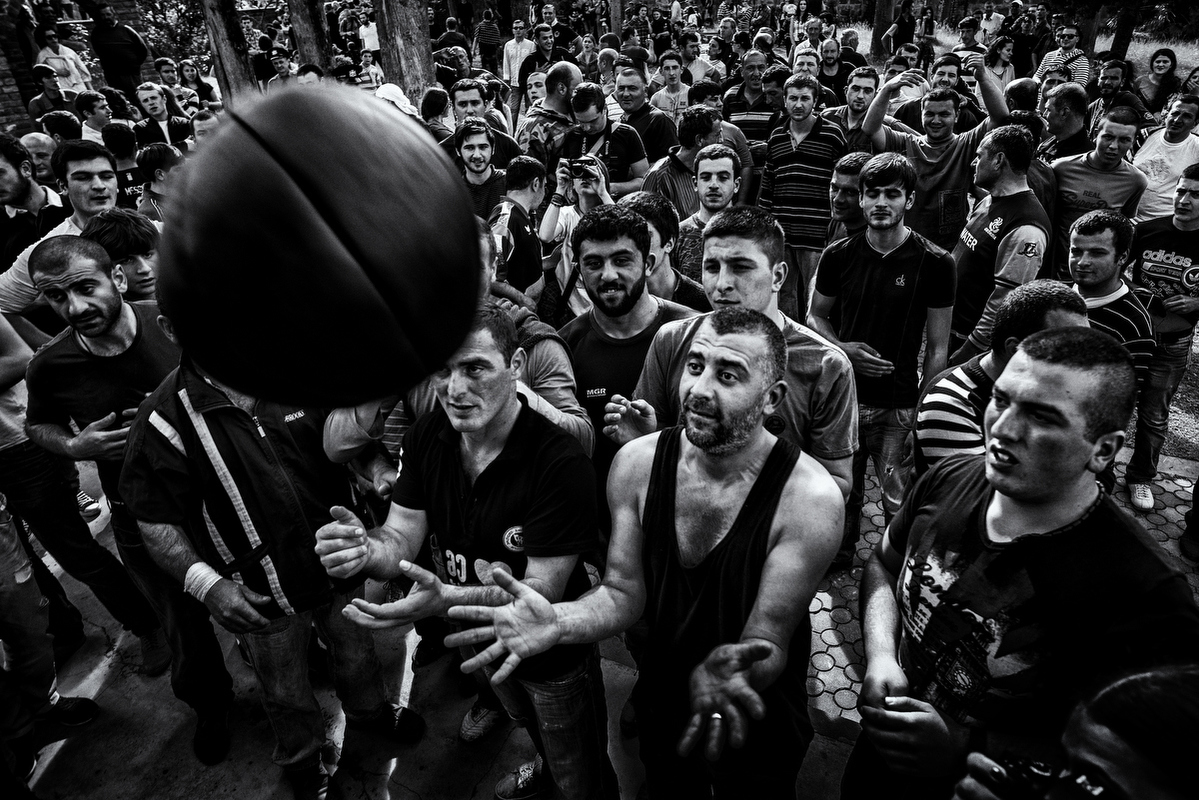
(607, 58)
(561, 80)
(41, 148)
(1021, 94)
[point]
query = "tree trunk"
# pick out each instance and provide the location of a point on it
(231, 53)
(1126, 21)
(309, 33)
(617, 17)
(883, 17)
(407, 54)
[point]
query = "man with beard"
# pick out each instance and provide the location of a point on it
(30, 209)
(720, 534)
(893, 293)
(859, 92)
(718, 177)
(1113, 95)
(609, 343)
(833, 73)
(473, 141)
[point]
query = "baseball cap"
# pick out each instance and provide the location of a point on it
(968, 22)
(43, 71)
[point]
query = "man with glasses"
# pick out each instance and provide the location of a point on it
(1067, 55)
(516, 50)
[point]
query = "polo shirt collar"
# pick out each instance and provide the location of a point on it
(673, 155)
(517, 445)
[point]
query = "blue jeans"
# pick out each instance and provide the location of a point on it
(883, 436)
(30, 682)
(567, 719)
(279, 655)
(1166, 368)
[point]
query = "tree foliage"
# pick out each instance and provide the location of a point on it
(175, 28)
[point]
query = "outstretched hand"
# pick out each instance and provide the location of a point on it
(723, 699)
(523, 628)
(626, 420)
(426, 598)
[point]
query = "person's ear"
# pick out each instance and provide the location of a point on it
(168, 328)
(518, 362)
(1104, 451)
(119, 278)
(778, 275)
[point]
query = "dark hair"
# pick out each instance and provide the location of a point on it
(852, 163)
(1016, 144)
(752, 223)
(670, 55)
(776, 75)
(701, 90)
(685, 38)
(558, 75)
(158, 156)
(203, 115)
(1062, 69)
(743, 40)
(1030, 121)
(469, 85)
(484, 231)
(522, 171)
(713, 152)
(632, 70)
(1190, 173)
(85, 102)
(949, 59)
(1155, 713)
(1023, 311)
(62, 124)
(609, 223)
(898, 61)
(696, 121)
(657, 211)
(120, 140)
(763, 42)
(122, 233)
(803, 82)
(163, 61)
(1115, 392)
(992, 56)
(1187, 99)
(54, 254)
(451, 23)
(942, 95)
(15, 153)
(77, 150)
(434, 102)
(869, 73)
(588, 95)
(728, 321)
(1095, 222)
(495, 320)
(472, 126)
(539, 29)
(1071, 97)
(1022, 93)
(1115, 63)
(310, 69)
(886, 169)
(117, 101)
(1123, 115)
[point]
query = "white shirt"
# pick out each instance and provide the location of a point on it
(369, 34)
(990, 27)
(17, 291)
(90, 134)
(514, 55)
(1162, 164)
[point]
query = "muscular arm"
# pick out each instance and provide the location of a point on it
(633, 184)
(880, 623)
(169, 547)
(936, 352)
(349, 431)
(840, 470)
(57, 439)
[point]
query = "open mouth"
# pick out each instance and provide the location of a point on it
(1001, 456)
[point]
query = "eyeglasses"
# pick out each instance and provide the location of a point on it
(1067, 36)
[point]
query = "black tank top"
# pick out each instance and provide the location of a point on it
(692, 610)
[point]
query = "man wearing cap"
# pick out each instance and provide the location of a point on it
(53, 96)
(281, 61)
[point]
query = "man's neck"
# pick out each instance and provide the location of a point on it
(1192, 225)
(53, 94)
(705, 215)
(990, 365)
(89, 124)
(1069, 132)
(35, 198)
(126, 163)
(830, 69)
(489, 441)
(735, 466)
(160, 117)
(1181, 137)
(479, 178)
(662, 282)
(1008, 518)
(686, 157)
(115, 340)
(557, 104)
(751, 96)
(80, 219)
(1009, 184)
(1101, 289)
(887, 240)
(804, 126)
(626, 326)
(522, 199)
(854, 118)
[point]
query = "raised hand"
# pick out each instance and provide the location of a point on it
(342, 545)
(523, 628)
(426, 598)
(626, 420)
(723, 699)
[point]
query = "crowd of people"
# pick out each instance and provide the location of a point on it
(720, 278)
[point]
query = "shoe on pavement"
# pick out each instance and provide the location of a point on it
(1141, 495)
(309, 783)
(523, 783)
(156, 656)
(71, 712)
(401, 725)
(89, 507)
(479, 721)
(211, 740)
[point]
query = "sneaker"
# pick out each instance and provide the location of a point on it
(211, 740)
(523, 783)
(89, 507)
(478, 722)
(71, 712)
(401, 725)
(309, 783)
(1141, 495)
(156, 656)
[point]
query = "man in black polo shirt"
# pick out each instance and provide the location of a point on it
(654, 126)
(1066, 122)
(890, 286)
(519, 259)
(545, 55)
(493, 485)
(617, 145)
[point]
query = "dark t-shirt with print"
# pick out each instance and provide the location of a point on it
(619, 149)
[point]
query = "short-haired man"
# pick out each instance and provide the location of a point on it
(616, 144)
(93, 108)
(892, 291)
(468, 97)
(1100, 179)
(309, 75)
(655, 128)
(942, 158)
(280, 62)
(544, 54)
(968, 43)
(1003, 243)
(87, 173)
(1067, 55)
(859, 91)
(833, 73)
(608, 344)
(93, 376)
(994, 598)
(747, 107)
(718, 176)
(564, 37)
(52, 97)
(533, 513)
(546, 124)
(121, 142)
(673, 177)
(845, 198)
(799, 164)
(156, 162)
(30, 210)
(671, 98)
(662, 278)
(707, 93)
(990, 24)
(168, 76)
(744, 266)
(1066, 124)
(62, 126)
(695, 66)
(1166, 153)
(131, 241)
(41, 148)
(204, 124)
(473, 141)
(516, 50)
(720, 534)
(519, 262)
(1111, 81)
(1164, 251)
(806, 61)
(946, 72)
(159, 125)
(949, 419)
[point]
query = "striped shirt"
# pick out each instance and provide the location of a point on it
(1121, 315)
(949, 418)
(669, 178)
(754, 119)
(796, 179)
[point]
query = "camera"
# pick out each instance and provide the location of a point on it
(581, 169)
(1025, 779)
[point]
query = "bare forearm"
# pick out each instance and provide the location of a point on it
(387, 550)
(602, 612)
(53, 438)
(627, 187)
(169, 548)
(880, 611)
(936, 359)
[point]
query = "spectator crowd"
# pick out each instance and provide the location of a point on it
(727, 267)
